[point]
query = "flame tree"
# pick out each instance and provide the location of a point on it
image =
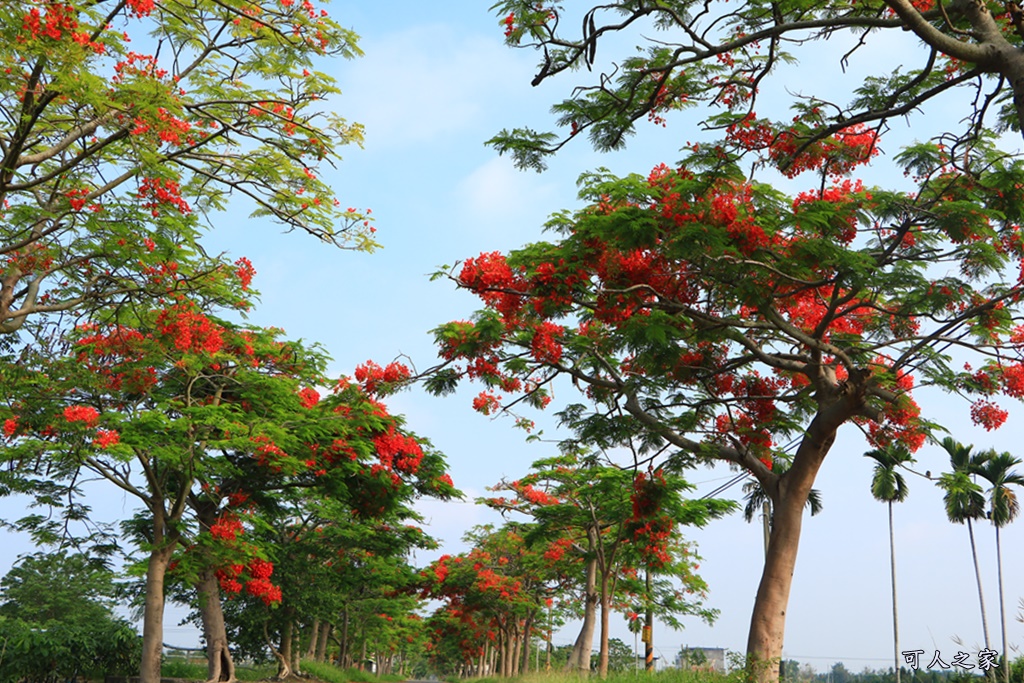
(710, 318)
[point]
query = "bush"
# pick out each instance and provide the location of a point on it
(53, 651)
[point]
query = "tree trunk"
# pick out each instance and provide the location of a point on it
(325, 635)
(768, 621)
(895, 617)
(296, 650)
(344, 660)
(524, 668)
(153, 615)
(580, 657)
(283, 654)
(220, 665)
(314, 639)
(1002, 608)
(515, 648)
(606, 608)
(981, 595)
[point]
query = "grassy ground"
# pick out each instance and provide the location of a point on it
(318, 671)
(328, 673)
(667, 676)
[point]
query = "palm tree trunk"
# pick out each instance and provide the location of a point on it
(1002, 609)
(895, 618)
(977, 574)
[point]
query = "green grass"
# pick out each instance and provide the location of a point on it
(176, 668)
(332, 674)
(667, 676)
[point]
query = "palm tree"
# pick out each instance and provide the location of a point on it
(889, 486)
(1003, 509)
(965, 502)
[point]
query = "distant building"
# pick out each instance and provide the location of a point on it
(702, 658)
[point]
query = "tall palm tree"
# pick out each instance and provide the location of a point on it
(965, 502)
(997, 470)
(889, 486)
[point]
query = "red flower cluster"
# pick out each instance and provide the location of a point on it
(228, 578)
(191, 331)
(267, 452)
(10, 427)
(141, 8)
(244, 271)
(543, 346)
(557, 549)
(837, 155)
(308, 397)
(988, 415)
(486, 403)
(58, 19)
(650, 527)
(158, 192)
(86, 414)
(490, 276)
(105, 438)
(398, 451)
(227, 528)
(375, 379)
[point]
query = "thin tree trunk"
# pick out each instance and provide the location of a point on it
(606, 608)
(325, 635)
(1002, 609)
(283, 654)
(649, 625)
(515, 649)
(895, 618)
(219, 664)
(580, 657)
(314, 638)
(296, 649)
(153, 615)
(977, 575)
(343, 655)
(524, 668)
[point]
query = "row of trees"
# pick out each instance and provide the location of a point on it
(598, 539)
(267, 490)
(965, 503)
(706, 316)
(703, 314)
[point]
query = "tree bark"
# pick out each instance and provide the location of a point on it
(283, 653)
(981, 595)
(220, 665)
(606, 608)
(314, 638)
(153, 616)
(580, 657)
(789, 497)
(344, 658)
(895, 617)
(1002, 608)
(325, 635)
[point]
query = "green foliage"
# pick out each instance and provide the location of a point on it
(45, 587)
(45, 652)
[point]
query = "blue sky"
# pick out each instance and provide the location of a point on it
(436, 81)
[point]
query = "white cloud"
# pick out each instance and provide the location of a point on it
(497, 200)
(424, 83)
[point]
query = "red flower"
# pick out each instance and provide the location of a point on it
(86, 414)
(309, 397)
(105, 438)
